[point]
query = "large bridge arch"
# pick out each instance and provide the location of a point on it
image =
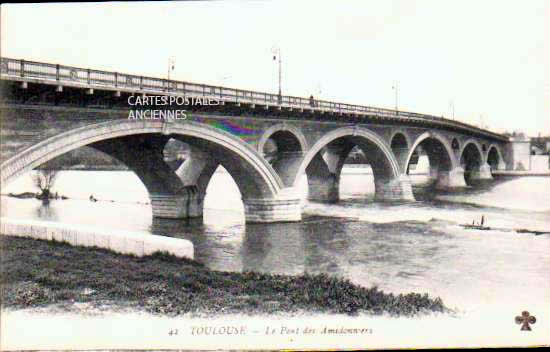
(324, 160)
(261, 188)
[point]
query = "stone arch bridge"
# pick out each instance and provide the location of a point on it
(266, 142)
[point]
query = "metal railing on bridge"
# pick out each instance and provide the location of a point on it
(115, 80)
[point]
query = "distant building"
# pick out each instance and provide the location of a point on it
(535, 150)
(540, 145)
(540, 154)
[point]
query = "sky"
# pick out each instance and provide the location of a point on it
(487, 59)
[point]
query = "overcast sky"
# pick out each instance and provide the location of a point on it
(490, 59)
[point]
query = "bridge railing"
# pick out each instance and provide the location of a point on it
(115, 80)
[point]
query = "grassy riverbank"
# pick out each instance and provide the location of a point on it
(39, 273)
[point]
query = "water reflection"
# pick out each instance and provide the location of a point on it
(399, 247)
(219, 250)
(273, 248)
(326, 239)
(46, 211)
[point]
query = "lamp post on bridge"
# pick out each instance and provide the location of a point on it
(171, 65)
(277, 55)
(482, 121)
(224, 79)
(395, 87)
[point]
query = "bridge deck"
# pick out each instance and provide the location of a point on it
(55, 74)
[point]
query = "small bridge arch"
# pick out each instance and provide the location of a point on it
(400, 142)
(494, 157)
(473, 159)
(283, 146)
(439, 151)
(323, 164)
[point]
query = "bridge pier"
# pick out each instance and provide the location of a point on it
(448, 180)
(395, 189)
(434, 173)
(323, 175)
(177, 206)
(286, 164)
(483, 173)
(194, 173)
(325, 188)
(401, 154)
(285, 208)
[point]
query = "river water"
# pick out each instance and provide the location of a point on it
(398, 247)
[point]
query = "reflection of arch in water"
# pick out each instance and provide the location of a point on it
(210, 248)
(274, 248)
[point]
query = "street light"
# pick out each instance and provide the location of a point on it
(395, 87)
(223, 79)
(277, 55)
(482, 121)
(171, 65)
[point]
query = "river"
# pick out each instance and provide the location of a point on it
(398, 247)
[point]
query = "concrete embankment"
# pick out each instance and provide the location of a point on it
(520, 173)
(118, 241)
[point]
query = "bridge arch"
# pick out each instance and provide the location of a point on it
(283, 146)
(475, 143)
(255, 178)
(472, 160)
(284, 132)
(439, 151)
(400, 143)
(444, 167)
(400, 137)
(323, 163)
(494, 157)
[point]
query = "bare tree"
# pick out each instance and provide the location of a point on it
(44, 180)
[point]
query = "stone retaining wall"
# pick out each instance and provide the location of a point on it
(118, 241)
